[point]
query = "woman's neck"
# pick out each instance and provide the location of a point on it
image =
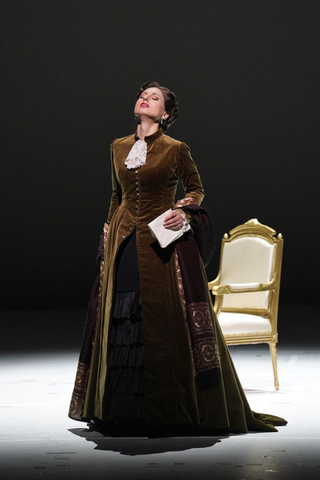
(146, 128)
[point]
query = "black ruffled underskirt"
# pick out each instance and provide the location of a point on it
(124, 400)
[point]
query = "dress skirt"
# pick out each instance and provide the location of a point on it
(125, 388)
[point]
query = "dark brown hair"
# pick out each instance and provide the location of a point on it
(170, 102)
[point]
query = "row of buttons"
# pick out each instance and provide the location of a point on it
(137, 204)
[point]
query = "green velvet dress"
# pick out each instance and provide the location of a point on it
(173, 396)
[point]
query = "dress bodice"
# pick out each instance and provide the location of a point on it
(148, 191)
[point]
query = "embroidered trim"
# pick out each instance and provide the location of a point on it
(205, 348)
(186, 201)
(77, 399)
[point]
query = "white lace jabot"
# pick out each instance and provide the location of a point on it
(137, 155)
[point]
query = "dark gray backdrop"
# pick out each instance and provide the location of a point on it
(247, 76)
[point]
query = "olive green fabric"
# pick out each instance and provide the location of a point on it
(174, 397)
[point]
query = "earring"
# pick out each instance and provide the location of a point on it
(162, 121)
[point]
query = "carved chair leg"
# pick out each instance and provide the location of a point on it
(273, 352)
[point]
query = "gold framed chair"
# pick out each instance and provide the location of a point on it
(247, 287)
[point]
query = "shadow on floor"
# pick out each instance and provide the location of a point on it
(133, 446)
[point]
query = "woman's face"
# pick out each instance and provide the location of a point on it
(151, 104)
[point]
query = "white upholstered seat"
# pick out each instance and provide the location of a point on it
(240, 323)
(247, 287)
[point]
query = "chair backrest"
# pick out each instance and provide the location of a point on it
(250, 254)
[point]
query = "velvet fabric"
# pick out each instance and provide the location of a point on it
(199, 315)
(173, 396)
(202, 228)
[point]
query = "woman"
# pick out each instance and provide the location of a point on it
(152, 352)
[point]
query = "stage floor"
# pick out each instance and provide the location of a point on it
(38, 439)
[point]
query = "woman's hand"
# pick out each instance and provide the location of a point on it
(173, 221)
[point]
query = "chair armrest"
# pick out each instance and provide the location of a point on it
(240, 288)
(214, 282)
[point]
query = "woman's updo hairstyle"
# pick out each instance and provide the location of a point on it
(170, 102)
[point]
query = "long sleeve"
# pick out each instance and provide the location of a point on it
(190, 179)
(116, 194)
(189, 175)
